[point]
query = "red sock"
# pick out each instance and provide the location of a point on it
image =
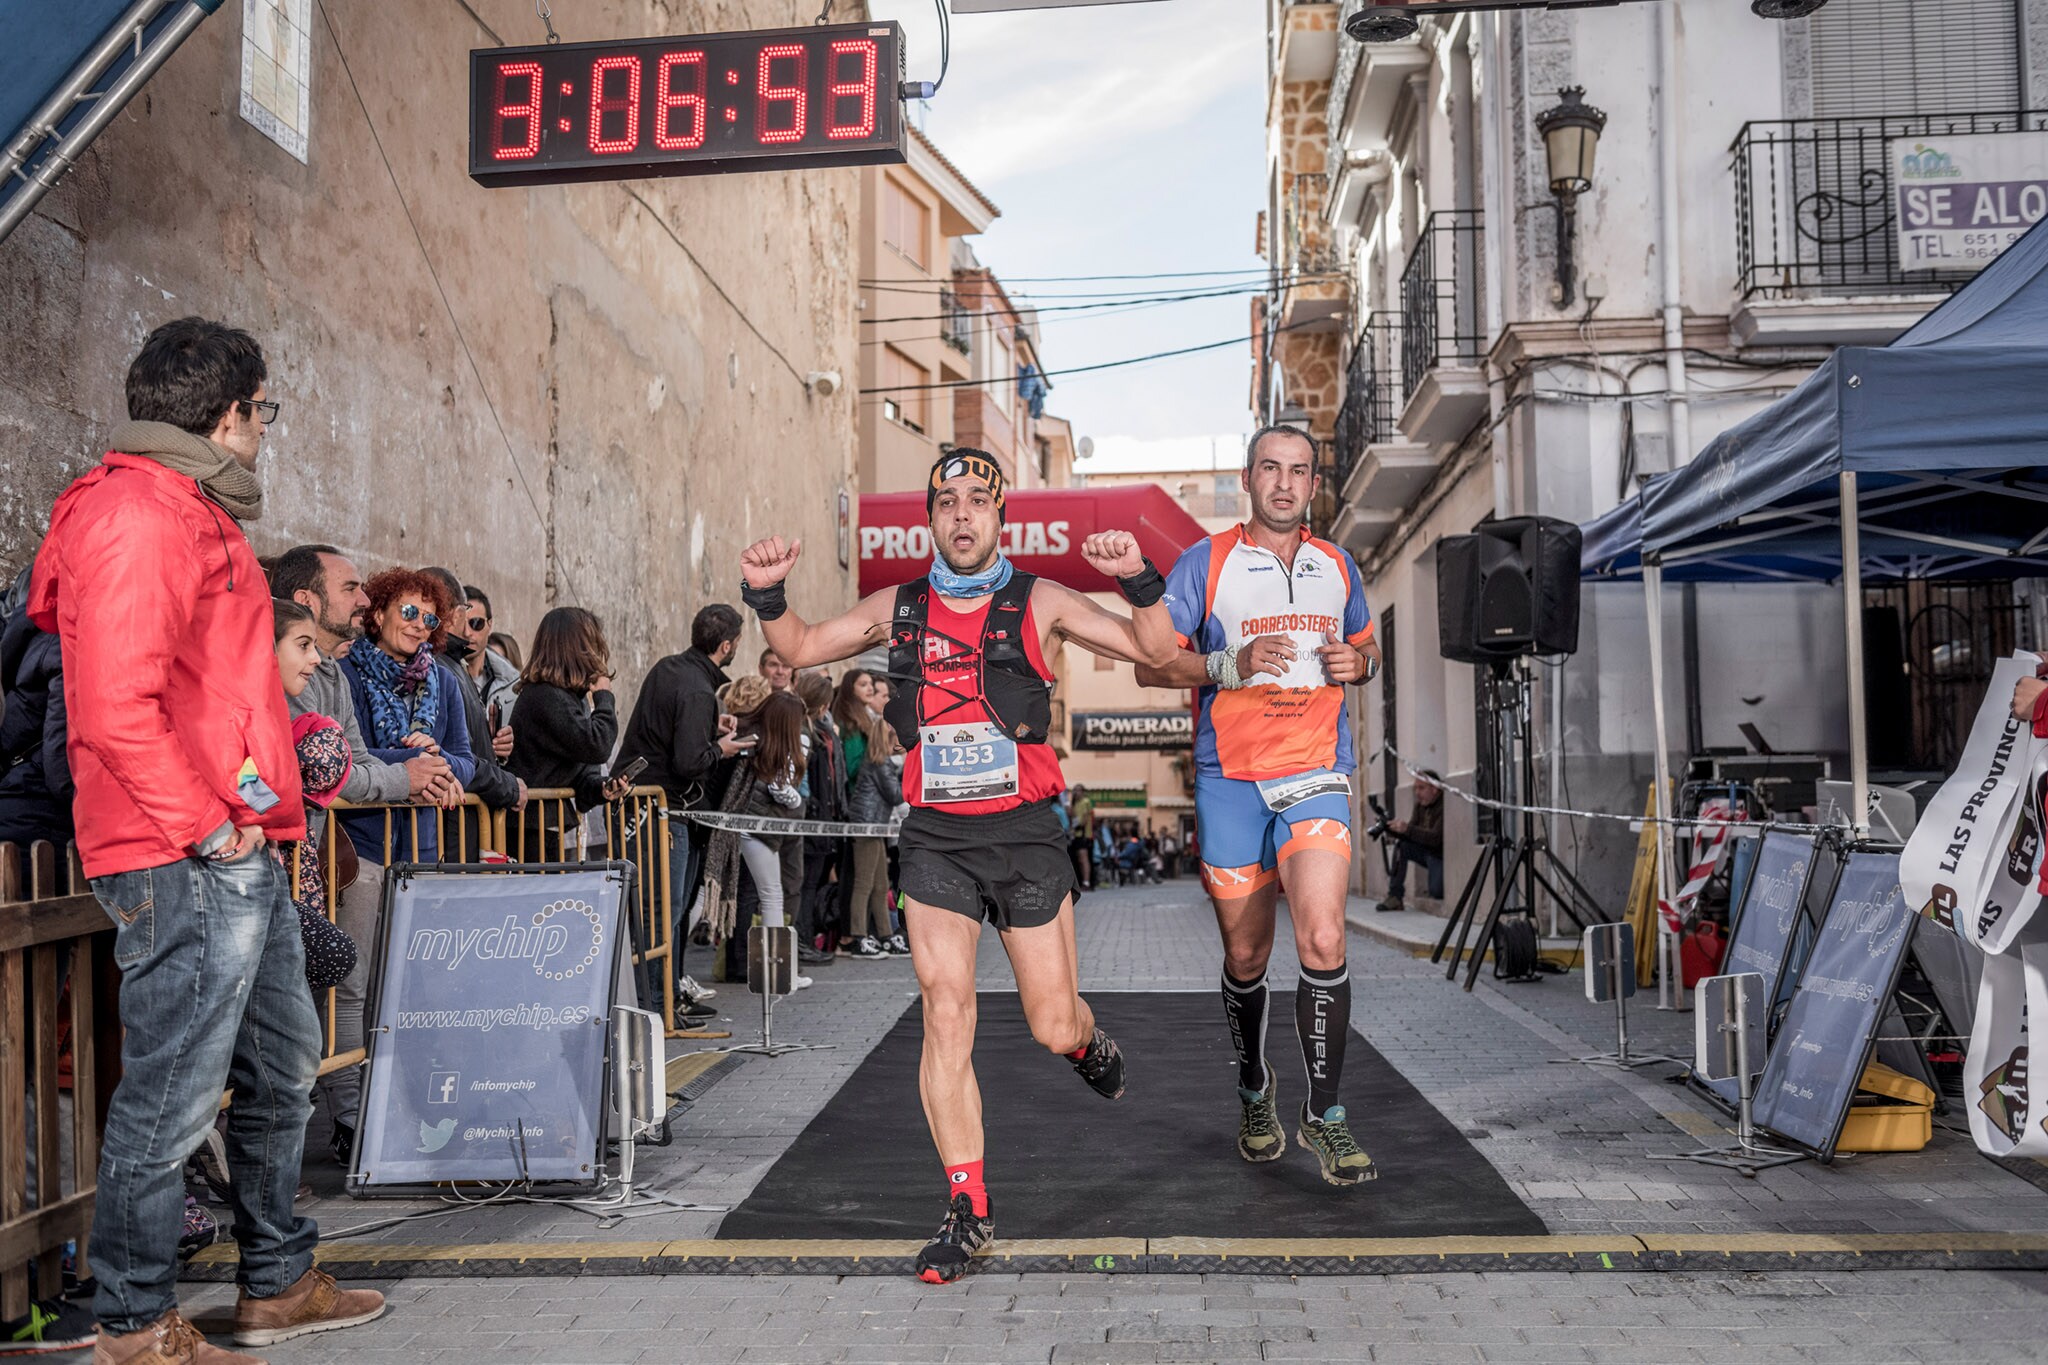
(966, 1179)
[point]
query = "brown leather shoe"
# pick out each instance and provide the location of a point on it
(315, 1304)
(170, 1340)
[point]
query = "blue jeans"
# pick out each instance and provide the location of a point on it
(1407, 851)
(213, 995)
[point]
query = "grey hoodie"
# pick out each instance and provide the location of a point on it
(370, 779)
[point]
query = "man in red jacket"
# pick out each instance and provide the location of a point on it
(182, 755)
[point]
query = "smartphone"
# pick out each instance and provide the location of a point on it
(631, 770)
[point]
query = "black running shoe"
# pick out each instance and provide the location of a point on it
(50, 1327)
(962, 1237)
(1102, 1066)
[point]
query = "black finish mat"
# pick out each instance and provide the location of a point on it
(1160, 1162)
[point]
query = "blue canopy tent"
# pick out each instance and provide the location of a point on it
(66, 71)
(1926, 458)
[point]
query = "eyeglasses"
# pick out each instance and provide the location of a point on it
(412, 611)
(478, 622)
(262, 407)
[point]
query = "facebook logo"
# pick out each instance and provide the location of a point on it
(443, 1086)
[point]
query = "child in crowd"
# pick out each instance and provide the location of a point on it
(323, 767)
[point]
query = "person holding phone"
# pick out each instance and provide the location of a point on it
(564, 727)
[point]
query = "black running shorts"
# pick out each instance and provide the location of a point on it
(1010, 868)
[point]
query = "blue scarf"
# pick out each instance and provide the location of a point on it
(404, 698)
(946, 582)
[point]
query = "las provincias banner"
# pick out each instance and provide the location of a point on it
(1042, 533)
(1973, 867)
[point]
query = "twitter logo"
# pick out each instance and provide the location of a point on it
(434, 1136)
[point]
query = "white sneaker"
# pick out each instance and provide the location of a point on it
(801, 982)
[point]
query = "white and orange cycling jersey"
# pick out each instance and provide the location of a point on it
(1225, 591)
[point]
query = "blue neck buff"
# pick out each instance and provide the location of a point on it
(947, 582)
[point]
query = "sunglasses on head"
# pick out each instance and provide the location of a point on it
(412, 611)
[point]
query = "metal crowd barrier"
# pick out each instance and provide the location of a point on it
(550, 829)
(636, 831)
(53, 934)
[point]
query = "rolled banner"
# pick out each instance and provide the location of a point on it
(2009, 915)
(1959, 852)
(2005, 1118)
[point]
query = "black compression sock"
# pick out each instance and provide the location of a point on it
(1322, 1016)
(1244, 1007)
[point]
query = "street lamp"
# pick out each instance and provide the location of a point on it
(1571, 135)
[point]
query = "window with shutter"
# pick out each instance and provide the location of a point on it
(1893, 57)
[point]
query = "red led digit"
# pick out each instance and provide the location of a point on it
(768, 94)
(601, 104)
(674, 98)
(862, 89)
(527, 109)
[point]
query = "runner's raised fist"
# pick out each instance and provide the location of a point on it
(767, 562)
(1114, 553)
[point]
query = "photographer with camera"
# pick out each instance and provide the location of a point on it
(1418, 839)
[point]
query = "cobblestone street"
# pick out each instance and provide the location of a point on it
(1573, 1142)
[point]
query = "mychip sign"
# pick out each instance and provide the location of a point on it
(487, 1050)
(1960, 201)
(1133, 729)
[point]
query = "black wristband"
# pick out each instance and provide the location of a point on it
(1144, 587)
(767, 603)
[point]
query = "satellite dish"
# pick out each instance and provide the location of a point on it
(1087, 447)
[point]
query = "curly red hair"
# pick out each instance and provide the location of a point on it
(387, 587)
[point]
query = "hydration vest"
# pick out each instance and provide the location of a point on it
(1018, 699)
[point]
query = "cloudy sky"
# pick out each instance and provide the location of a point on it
(1116, 139)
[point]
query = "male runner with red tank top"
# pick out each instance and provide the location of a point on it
(972, 704)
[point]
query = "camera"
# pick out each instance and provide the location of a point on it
(1378, 828)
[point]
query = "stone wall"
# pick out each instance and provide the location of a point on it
(588, 394)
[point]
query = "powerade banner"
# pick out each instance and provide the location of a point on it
(487, 1050)
(1818, 1056)
(1973, 867)
(1134, 729)
(1762, 933)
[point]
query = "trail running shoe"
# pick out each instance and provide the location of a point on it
(48, 1328)
(962, 1237)
(1329, 1137)
(1102, 1066)
(1259, 1134)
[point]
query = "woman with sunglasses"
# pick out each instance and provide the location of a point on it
(405, 703)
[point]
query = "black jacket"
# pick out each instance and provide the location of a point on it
(675, 728)
(1426, 825)
(35, 774)
(493, 786)
(560, 740)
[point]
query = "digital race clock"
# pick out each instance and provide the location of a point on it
(776, 99)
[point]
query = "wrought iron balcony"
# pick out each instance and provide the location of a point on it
(1816, 203)
(956, 324)
(1442, 320)
(1310, 250)
(1372, 393)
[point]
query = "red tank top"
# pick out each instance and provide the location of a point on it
(952, 646)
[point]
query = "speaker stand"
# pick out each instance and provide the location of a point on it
(1518, 853)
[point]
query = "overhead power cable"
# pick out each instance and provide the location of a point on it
(1078, 369)
(1092, 279)
(1249, 282)
(1103, 304)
